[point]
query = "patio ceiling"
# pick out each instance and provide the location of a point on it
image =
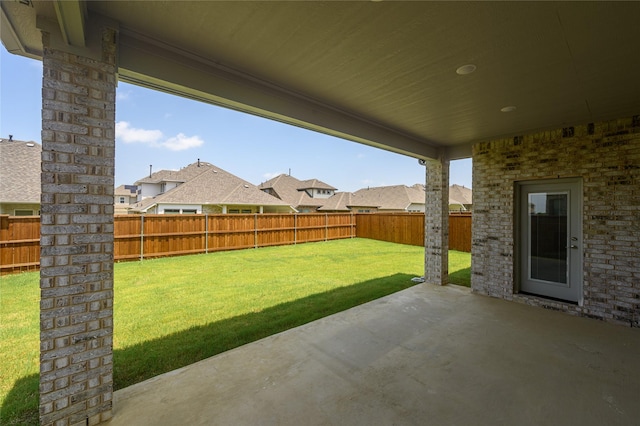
(380, 73)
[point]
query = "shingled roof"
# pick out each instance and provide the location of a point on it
(20, 169)
(395, 197)
(460, 195)
(206, 184)
(291, 190)
(315, 184)
(183, 175)
(125, 190)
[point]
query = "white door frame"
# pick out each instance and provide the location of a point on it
(570, 189)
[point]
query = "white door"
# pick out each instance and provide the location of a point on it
(550, 238)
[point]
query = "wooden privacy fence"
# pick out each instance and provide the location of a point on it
(148, 236)
(408, 228)
(19, 243)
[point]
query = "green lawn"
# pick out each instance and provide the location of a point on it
(175, 311)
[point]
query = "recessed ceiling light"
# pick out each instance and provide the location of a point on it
(509, 108)
(466, 69)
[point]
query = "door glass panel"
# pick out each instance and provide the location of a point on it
(548, 236)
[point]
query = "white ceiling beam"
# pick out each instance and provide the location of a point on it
(71, 18)
(147, 63)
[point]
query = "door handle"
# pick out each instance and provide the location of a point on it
(573, 246)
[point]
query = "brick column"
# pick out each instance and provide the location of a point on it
(436, 244)
(76, 265)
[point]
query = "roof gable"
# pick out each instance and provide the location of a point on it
(212, 185)
(126, 190)
(291, 190)
(183, 175)
(314, 184)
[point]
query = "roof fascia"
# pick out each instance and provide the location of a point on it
(150, 63)
(459, 152)
(10, 38)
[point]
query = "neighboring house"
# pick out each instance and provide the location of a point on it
(124, 197)
(316, 196)
(460, 199)
(20, 177)
(202, 188)
(305, 196)
(346, 202)
(396, 198)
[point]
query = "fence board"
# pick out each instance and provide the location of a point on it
(402, 228)
(148, 236)
(19, 243)
(460, 232)
(408, 228)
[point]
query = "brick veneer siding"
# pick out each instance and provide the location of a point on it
(76, 266)
(436, 245)
(607, 157)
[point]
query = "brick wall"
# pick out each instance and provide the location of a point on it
(76, 274)
(606, 156)
(436, 223)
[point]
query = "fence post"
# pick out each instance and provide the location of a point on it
(326, 226)
(295, 228)
(351, 221)
(255, 230)
(142, 237)
(206, 233)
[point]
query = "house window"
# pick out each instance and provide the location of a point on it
(23, 212)
(189, 211)
(246, 211)
(171, 211)
(121, 200)
(234, 211)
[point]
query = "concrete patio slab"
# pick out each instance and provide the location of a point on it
(424, 356)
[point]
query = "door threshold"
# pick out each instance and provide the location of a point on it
(549, 298)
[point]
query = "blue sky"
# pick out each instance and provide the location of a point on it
(169, 132)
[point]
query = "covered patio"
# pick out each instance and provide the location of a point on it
(543, 96)
(426, 355)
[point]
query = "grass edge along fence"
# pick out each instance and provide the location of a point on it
(138, 237)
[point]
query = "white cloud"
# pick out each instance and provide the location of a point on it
(360, 155)
(155, 138)
(128, 134)
(181, 142)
